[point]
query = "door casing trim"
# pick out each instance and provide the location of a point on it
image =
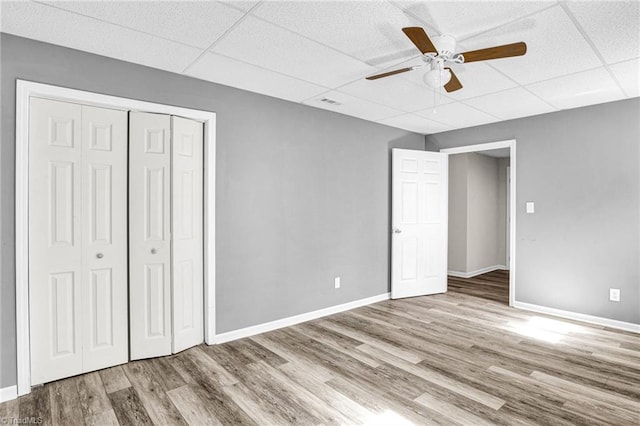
(511, 144)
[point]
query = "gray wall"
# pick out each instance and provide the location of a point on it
(302, 194)
(582, 169)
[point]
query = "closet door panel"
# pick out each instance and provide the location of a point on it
(55, 243)
(187, 229)
(149, 234)
(104, 222)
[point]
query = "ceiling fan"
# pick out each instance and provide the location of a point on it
(436, 58)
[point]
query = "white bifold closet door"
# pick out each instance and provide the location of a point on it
(187, 268)
(77, 239)
(165, 216)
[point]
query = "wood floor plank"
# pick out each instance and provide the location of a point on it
(65, 402)
(166, 374)
(36, 406)
(106, 418)
(128, 408)
(114, 379)
(463, 357)
(191, 407)
(209, 390)
(10, 409)
(152, 395)
(93, 397)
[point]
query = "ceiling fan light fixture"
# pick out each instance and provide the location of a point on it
(437, 78)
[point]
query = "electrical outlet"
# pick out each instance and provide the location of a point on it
(336, 282)
(614, 294)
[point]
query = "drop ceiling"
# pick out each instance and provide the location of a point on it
(579, 53)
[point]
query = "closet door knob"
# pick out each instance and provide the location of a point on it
(99, 255)
(153, 251)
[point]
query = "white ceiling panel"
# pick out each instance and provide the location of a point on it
(244, 5)
(415, 123)
(41, 22)
(555, 47)
(512, 103)
(194, 23)
(353, 106)
(301, 50)
(396, 92)
(458, 115)
(585, 88)
(466, 18)
(613, 26)
(230, 72)
(369, 31)
(476, 78)
(628, 75)
(264, 44)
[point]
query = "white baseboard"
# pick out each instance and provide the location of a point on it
(620, 325)
(477, 272)
(286, 322)
(8, 393)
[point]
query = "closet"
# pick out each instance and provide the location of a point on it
(115, 237)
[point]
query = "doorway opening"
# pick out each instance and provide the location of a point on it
(481, 236)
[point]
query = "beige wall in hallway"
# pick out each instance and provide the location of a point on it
(477, 212)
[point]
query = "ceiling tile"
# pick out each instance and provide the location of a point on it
(41, 22)
(244, 5)
(258, 42)
(512, 103)
(628, 75)
(476, 78)
(415, 123)
(196, 23)
(396, 92)
(353, 106)
(612, 26)
(458, 115)
(369, 31)
(230, 72)
(585, 88)
(466, 18)
(554, 47)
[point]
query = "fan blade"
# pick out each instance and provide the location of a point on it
(420, 39)
(453, 84)
(387, 74)
(497, 52)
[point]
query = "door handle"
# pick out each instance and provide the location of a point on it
(154, 251)
(99, 255)
(397, 230)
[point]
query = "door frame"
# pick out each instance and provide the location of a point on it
(24, 91)
(511, 144)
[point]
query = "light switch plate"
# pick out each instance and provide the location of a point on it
(531, 208)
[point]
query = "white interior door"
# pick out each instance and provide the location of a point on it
(77, 205)
(104, 238)
(149, 234)
(187, 230)
(419, 223)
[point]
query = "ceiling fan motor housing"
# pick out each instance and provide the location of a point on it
(446, 45)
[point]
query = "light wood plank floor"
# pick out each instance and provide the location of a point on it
(445, 359)
(491, 286)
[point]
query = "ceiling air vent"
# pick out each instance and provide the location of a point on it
(330, 101)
